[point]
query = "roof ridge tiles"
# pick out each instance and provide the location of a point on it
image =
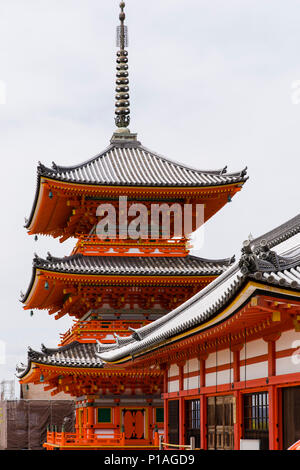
(279, 234)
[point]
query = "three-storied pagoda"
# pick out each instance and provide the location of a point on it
(120, 281)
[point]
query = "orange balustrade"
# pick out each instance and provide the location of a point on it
(66, 440)
(91, 245)
(98, 329)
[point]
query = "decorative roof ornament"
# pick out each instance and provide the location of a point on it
(122, 111)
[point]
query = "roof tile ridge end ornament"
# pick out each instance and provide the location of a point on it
(217, 172)
(43, 169)
(33, 354)
(257, 259)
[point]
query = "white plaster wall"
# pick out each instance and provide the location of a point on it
(191, 365)
(254, 348)
(173, 370)
(223, 376)
(211, 361)
(173, 386)
(254, 371)
(224, 357)
(210, 379)
(191, 382)
(286, 340)
(287, 365)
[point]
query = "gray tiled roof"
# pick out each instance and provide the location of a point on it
(138, 266)
(131, 164)
(73, 355)
(280, 234)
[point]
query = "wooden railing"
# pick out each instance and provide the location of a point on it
(166, 445)
(94, 328)
(91, 245)
(66, 439)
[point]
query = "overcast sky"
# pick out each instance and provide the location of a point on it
(210, 85)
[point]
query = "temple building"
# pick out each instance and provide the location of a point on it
(230, 354)
(125, 272)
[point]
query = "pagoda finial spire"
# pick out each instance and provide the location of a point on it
(122, 112)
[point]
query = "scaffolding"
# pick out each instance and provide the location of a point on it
(7, 390)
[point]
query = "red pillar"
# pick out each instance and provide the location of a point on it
(181, 421)
(90, 421)
(203, 418)
(273, 419)
(203, 412)
(166, 420)
(237, 395)
(238, 419)
(202, 371)
(181, 405)
(271, 359)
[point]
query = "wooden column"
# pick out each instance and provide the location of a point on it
(151, 417)
(203, 420)
(271, 340)
(166, 420)
(117, 416)
(238, 419)
(90, 421)
(165, 367)
(181, 404)
(236, 349)
(273, 419)
(203, 412)
(202, 371)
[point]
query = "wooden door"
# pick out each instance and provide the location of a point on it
(134, 423)
(173, 422)
(290, 416)
(220, 425)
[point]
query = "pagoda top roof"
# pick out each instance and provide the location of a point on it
(124, 168)
(72, 355)
(258, 263)
(126, 162)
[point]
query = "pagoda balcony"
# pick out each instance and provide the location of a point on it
(74, 441)
(91, 330)
(92, 245)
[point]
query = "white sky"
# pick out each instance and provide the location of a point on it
(210, 85)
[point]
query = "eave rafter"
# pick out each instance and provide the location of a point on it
(75, 295)
(71, 209)
(79, 381)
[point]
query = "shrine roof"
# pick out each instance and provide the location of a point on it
(258, 263)
(128, 163)
(73, 355)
